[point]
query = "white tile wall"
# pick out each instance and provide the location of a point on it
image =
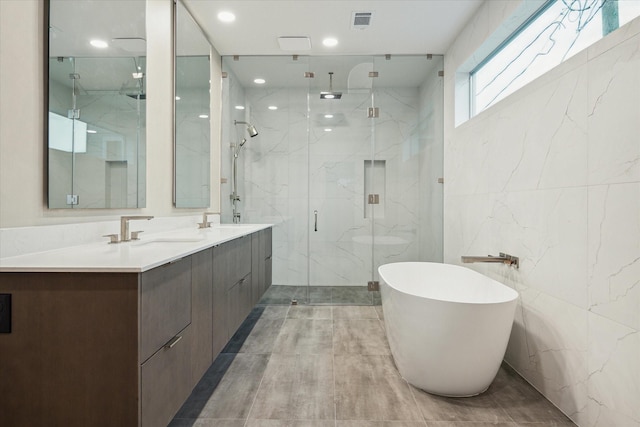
(552, 174)
(287, 173)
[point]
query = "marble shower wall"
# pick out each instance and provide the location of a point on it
(294, 167)
(552, 174)
(232, 95)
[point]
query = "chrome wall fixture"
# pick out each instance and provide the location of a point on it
(503, 258)
(235, 198)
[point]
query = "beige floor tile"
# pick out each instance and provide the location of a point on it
(262, 337)
(309, 312)
(206, 422)
(305, 336)
(380, 424)
(234, 394)
(359, 336)
(354, 312)
(482, 408)
(520, 400)
(296, 387)
(290, 423)
(275, 312)
(370, 388)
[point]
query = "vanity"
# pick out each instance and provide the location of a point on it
(119, 335)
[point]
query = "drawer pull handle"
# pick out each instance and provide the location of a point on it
(173, 342)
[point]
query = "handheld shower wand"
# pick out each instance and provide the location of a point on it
(236, 153)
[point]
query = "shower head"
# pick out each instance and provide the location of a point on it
(331, 94)
(251, 129)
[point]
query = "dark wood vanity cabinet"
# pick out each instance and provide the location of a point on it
(120, 349)
(261, 244)
(166, 340)
(72, 355)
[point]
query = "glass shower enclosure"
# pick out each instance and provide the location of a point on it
(346, 165)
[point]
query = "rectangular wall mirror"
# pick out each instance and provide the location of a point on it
(192, 104)
(96, 104)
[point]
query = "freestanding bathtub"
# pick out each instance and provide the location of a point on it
(448, 326)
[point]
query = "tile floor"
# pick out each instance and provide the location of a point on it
(330, 366)
(334, 295)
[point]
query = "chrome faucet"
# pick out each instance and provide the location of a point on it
(124, 227)
(205, 220)
(503, 259)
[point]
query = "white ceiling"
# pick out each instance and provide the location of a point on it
(397, 26)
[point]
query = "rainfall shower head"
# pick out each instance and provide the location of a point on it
(251, 129)
(331, 94)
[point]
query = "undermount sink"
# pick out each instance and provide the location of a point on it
(172, 239)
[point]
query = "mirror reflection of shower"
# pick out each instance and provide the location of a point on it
(235, 198)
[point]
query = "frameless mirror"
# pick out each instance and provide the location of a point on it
(192, 126)
(96, 104)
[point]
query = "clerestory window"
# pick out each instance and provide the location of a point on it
(557, 31)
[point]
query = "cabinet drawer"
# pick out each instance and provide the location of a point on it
(165, 381)
(165, 305)
(239, 303)
(268, 272)
(267, 241)
(232, 260)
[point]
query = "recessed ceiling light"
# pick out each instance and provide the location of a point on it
(239, 107)
(259, 81)
(330, 42)
(328, 116)
(91, 131)
(100, 44)
(329, 96)
(226, 16)
(328, 129)
(177, 98)
(204, 116)
(272, 107)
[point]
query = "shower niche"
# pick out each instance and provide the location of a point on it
(349, 181)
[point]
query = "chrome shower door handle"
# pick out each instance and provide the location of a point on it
(315, 227)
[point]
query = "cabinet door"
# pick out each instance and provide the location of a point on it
(219, 323)
(256, 276)
(239, 303)
(201, 314)
(267, 252)
(71, 358)
(233, 260)
(165, 381)
(165, 306)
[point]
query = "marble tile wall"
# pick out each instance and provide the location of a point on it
(552, 174)
(288, 173)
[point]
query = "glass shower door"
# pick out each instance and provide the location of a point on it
(340, 174)
(408, 153)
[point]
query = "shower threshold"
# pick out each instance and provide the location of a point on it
(320, 295)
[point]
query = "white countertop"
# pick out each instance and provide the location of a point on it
(136, 256)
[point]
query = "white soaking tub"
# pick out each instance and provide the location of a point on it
(448, 326)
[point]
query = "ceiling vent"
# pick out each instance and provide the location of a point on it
(361, 20)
